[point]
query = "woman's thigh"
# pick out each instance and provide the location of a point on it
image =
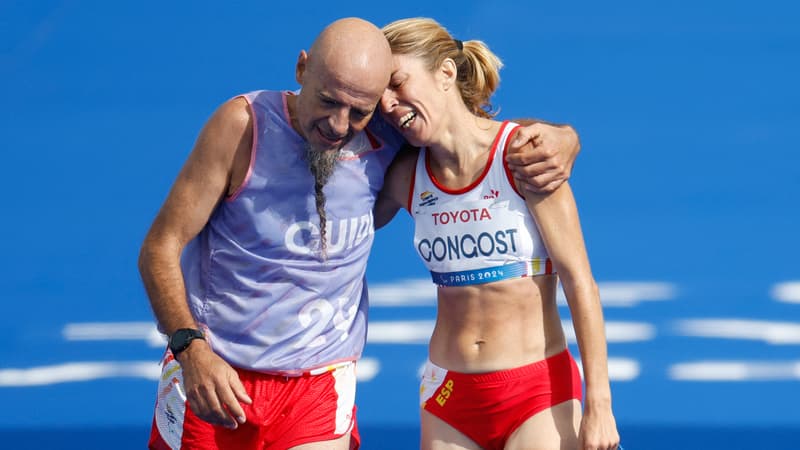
(438, 435)
(555, 428)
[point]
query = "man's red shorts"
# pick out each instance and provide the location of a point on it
(286, 412)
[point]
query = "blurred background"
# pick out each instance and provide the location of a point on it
(688, 186)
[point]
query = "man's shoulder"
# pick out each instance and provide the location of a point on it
(233, 113)
(264, 104)
(262, 96)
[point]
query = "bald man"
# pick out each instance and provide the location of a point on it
(255, 263)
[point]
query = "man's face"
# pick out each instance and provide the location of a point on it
(332, 107)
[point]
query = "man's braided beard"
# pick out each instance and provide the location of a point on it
(321, 164)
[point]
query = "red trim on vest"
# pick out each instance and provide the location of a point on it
(505, 163)
(474, 183)
(373, 141)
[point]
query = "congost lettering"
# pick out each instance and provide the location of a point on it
(467, 246)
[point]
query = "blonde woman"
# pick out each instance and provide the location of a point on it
(499, 374)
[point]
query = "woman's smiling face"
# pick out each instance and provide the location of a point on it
(414, 99)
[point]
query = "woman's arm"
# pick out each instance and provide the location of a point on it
(556, 216)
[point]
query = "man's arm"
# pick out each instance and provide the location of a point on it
(550, 163)
(211, 384)
(396, 185)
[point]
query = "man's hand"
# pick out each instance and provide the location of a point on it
(541, 156)
(213, 388)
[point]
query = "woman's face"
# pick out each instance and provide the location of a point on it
(414, 102)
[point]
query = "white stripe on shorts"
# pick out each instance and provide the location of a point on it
(171, 404)
(345, 386)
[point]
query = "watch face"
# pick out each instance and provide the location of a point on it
(182, 338)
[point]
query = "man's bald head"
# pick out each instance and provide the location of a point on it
(342, 76)
(353, 48)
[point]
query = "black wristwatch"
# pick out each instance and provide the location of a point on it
(180, 339)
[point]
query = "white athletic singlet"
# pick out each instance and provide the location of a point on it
(478, 234)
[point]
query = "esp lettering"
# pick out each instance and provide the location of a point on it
(444, 393)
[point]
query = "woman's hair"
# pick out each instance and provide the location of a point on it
(478, 68)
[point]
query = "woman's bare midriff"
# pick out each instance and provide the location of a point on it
(496, 326)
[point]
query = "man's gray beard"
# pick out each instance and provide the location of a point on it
(321, 164)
